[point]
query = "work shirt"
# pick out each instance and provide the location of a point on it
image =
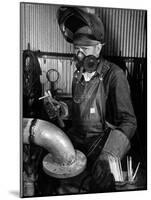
(107, 92)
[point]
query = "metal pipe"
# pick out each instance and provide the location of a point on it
(53, 139)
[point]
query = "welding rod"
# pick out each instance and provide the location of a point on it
(121, 171)
(43, 97)
(131, 170)
(128, 171)
(136, 171)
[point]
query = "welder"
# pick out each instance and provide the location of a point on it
(103, 119)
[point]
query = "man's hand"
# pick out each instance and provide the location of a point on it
(102, 178)
(55, 108)
(64, 111)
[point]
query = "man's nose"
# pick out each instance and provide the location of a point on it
(80, 55)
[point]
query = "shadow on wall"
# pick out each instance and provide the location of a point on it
(14, 193)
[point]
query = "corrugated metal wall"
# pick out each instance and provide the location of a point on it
(40, 28)
(125, 31)
(125, 36)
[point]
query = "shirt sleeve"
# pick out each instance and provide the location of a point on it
(120, 107)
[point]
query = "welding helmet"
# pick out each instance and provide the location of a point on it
(83, 29)
(70, 19)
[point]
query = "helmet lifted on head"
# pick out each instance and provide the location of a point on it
(71, 19)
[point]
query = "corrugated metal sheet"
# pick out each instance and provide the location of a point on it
(65, 70)
(41, 30)
(125, 36)
(125, 31)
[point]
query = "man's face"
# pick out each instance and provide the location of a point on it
(86, 57)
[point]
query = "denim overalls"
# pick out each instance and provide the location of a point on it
(88, 111)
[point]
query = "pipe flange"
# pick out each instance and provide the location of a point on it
(56, 170)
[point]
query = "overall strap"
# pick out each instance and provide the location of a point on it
(105, 69)
(101, 140)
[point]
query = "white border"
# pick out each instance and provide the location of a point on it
(9, 98)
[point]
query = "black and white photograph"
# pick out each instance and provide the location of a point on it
(83, 99)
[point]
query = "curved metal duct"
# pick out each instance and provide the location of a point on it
(63, 160)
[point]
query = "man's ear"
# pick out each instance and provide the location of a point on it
(98, 49)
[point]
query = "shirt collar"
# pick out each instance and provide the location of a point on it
(103, 67)
(100, 66)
